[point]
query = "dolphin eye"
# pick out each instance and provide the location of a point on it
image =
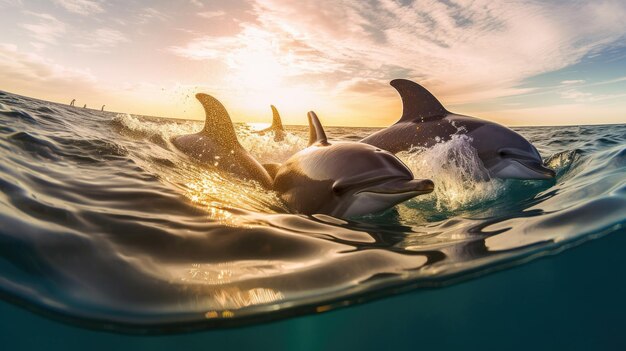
(338, 189)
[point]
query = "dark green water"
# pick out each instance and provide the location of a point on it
(571, 301)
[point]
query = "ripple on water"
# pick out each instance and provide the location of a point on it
(106, 223)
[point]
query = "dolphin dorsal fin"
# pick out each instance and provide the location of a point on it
(316, 131)
(276, 121)
(217, 122)
(417, 102)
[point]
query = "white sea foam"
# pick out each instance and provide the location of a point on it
(204, 185)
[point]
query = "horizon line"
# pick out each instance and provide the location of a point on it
(293, 125)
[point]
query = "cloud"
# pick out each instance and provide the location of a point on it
(608, 81)
(27, 71)
(150, 14)
(211, 14)
(102, 39)
(10, 3)
(257, 48)
(47, 29)
(202, 48)
(347, 52)
(464, 50)
(341, 52)
(574, 94)
(586, 97)
(566, 85)
(81, 7)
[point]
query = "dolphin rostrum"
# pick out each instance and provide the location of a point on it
(217, 144)
(276, 127)
(344, 179)
(424, 122)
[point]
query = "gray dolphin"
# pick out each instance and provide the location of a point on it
(424, 122)
(276, 127)
(344, 179)
(217, 144)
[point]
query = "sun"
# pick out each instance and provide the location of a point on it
(261, 71)
(256, 63)
(257, 70)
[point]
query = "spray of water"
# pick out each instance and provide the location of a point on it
(459, 176)
(155, 131)
(562, 161)
(204, 185)
(265, 149)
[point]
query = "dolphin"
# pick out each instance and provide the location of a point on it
(276, 127)
(217, 144)
(344, 179)
(424, 122)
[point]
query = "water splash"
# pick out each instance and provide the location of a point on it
(265, 149)
(157, 132)
(205, 185)
(262, 147)
(562, 161)
(459, 176)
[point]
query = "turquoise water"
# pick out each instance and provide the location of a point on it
(106, 226)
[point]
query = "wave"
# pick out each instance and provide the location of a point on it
(105, 223)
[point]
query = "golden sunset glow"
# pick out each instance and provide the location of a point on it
(518, 62)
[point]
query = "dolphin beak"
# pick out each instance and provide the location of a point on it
(402, 186)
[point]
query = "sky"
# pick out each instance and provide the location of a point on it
(516, 62)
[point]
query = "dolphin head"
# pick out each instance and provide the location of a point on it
(507, 154)
(345, 179)
(367, 180)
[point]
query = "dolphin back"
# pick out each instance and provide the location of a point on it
(217, 124)
(218, 141)
(316, 130)
(277, 123)
(417, 102)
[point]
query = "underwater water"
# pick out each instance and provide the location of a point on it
(104, 223)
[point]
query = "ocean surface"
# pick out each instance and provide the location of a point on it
(104, 224)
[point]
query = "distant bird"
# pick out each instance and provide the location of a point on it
(102, 109)
(72, 103)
